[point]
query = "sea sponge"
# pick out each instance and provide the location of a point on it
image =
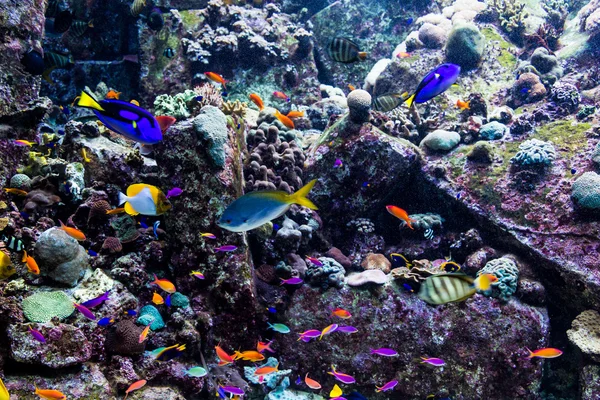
(534, 152)
(150, 315)
(359, 104)
(465, 45)
(585, 333)
(585, 191)
(507, 273)
(123, 338)
(43, 306)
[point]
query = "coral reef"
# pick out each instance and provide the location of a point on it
(493, 131)
(331, 274)
(507, 273)
(441, 140)
(43, 306)
(534, 153)
(586, 191)
(585, 333)
(60, 257)
(465, 46)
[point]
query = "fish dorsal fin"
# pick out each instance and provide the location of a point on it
(137, 188)
(462, 277)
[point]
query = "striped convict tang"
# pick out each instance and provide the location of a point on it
(345, 50)
(447, 288)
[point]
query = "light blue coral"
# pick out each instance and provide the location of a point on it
(211, 127)
(507, 273)
(534, 152)
(150, 315)
(586, 191)
(271, 380)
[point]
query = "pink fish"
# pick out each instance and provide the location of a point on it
(388, 386)
(436, 362)
(37, 335)
(291, 281)
(385, 352)
(344, 378)
(338, 163)
(233, 390)
(306, 336)
(226, 248)
(327, 330)
(85, 311)
(347, 329)
(96, 301)
(315, 261)
(174, 192)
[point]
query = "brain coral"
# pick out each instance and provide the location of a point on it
(43, 306)
(586, 190)
(585, 332)
(534, 152)
(507, 273)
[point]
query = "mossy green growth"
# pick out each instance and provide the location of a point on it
(190, 18)
(568, 136)
(43, 306)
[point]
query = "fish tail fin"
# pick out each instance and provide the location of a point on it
(87, 101)
(410, 101)
(270, 326)
(122, 198)
(24, 256)
(91, 23)
(300, 196)
(531, 355)
(363, 55)
(409, 223)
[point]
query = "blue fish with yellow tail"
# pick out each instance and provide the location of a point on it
(257, 208)
(435, 83)
(144, 199)
(127, 119)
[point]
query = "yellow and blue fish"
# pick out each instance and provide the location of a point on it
(144, 199)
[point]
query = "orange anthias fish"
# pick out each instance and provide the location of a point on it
(144, 333)
(49, 394)
(249, 355)
(463, 105)
(17, 192)
(32, 266)
(213, 76)
(284, 120)
(115, 211)
(164, 284)
(112, 95)
(157, 299)
(223, 356)
(351, 87)
(73, 232)
(295, 114)
(257, 100)
(266, 370)
(311, 383)
(135, 386)
(341, 313)
(401, 214)
(262, 347)
(548, 352)
(403, 54)
(281, 95)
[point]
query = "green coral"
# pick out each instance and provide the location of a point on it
(511, 14)
(586, 191)
(150, 315)
(534, 152)
(179, 300)
(43, 306)
(507, 273)
(125, 228)
(175, 106)
(465, 46)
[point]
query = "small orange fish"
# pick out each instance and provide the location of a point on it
(135, 386)
(213, 76)
(463, 105)
(401, 214)
(73, 232)
(135, 102)
(144, 333)
(17, 192)
(249, 355)
(403, 54)
(49, 394)
(257, 100)
(262, 347)
(295, 114)
(112, 95)
(548, 352)
(341, 313)
(115, 211)
(32, 266)
(311, 383)
(223, 356)
(284, 120)
(351, 87)
(165, 285)
(266, 370)
(157, 299)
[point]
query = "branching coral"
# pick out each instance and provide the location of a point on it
(511, 15)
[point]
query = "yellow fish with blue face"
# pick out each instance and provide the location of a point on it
(144, 199)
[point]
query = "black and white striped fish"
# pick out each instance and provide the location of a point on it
(12, 243)
(428, 234)
(345, 50)
(449, 288)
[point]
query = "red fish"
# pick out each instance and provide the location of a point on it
(281, 95)
(223, 356)
(311, 383)
(213, 76)
(135, 386)
(165, 122)
(262, 347)
(341, 313)
(401, 214)
(257, 100)
(144, 333)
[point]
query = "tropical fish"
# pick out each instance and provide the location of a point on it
(92, 253)
(226, 248)
(168, 300)
(249, 355)
(174, 192)
(197, 274)
(85, 156)
(408, 288)
(169, 52)
(127, 119)
(345, 50)
(384, 352)
(388, 386)
(23, 142)
(155, 19)
(112, 95)
(144, 199)
(338, 163)
(281, 95)
(257, 100)
(85, 311)
(328, 330)
(132, 313)
(310, 334)
(450, 266)
(97, 300)
(284, 120)
(233, 390)
(347, 329)
(436, 362)
(155, 229)
(196, 372)
(105, 321)
(135, 386)
(62, 21)
(547, 352)
(137, 7)
(37, 335)
(6, 267)
(223, 356)
(262, 347)
(295, 114)
(49, 394)
(311, 383)
(387, 102)
(115, 211)
(463, 105)
(257, 208)
(291, 281)
(78, 28)
(54, 60)
(4, 395)
(315, 261)
(266, 370)
(344, 378)
(73, 232)
(336, 391)
(341, 313)
(157, 299)
(434, 83)
(144, 333)
(398, 260)
(171, 352)
(448, 288)
(216, 78)
(403, 54)
(281, 328)
(164, 284)
(32, 266)
(17, 192)
(207, 235)
(400, 214)
(428, 234)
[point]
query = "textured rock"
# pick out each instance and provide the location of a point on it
(585, 333)
(359, 103)
(60, 257)
(493, 131)
(211, 127)
(432, 36)
(465, 46)
(123, 338)
(150, 315)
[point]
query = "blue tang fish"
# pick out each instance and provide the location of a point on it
(435, 82)
(144, 199)
(257, 208)
(127, 119)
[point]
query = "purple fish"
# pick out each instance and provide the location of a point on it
(337, 163)
(37, 335)
(291, 281)
(225, 248)
(233, 390)
(385, 352)
(344, 378)
(347, 329)
(298, 380)
(388, 386)
(436, 362)
(315, 261)
(86, 313)
(310, 334)
(92, 253)
(174, 192)
(96, 301)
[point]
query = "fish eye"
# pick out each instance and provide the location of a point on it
(245, 220)
(227, 221)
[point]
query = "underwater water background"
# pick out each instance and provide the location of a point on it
(300, 199)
